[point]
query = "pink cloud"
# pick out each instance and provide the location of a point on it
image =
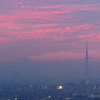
(87, 36)
(48, 24)
(52, 6)
(53, 33)
(3, 39)
(63, 7)
(57, 56)
(44, 25)
(66, 55)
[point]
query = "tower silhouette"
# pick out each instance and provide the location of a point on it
(86, 63)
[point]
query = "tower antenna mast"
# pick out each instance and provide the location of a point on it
(87, 62)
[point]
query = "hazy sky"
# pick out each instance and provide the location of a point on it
(49, 31)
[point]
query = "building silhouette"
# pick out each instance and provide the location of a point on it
(86, 63)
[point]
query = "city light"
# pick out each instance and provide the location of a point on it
(60, 87)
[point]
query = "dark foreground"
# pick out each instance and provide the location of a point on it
(30, 91)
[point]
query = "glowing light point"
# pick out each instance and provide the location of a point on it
(49, 96)
(16, 98)
(60, 87)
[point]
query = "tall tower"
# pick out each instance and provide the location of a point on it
(86, 63)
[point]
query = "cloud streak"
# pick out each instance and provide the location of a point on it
(50, 24)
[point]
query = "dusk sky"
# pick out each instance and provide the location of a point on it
(50, 31)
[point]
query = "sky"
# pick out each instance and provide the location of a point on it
(49, 33)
